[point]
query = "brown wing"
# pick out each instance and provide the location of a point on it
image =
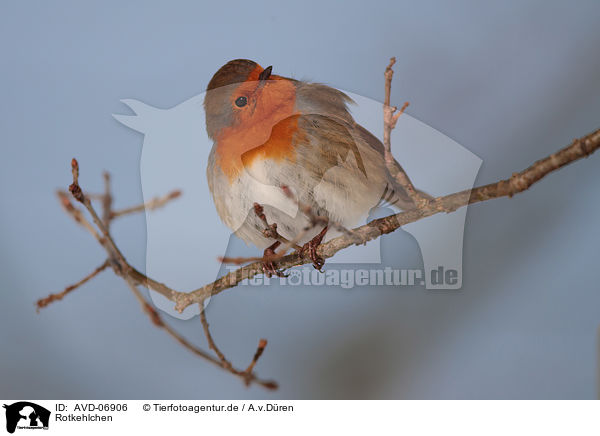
(349, 144)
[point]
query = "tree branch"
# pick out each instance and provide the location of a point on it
(43, 302)
(155, 203)
(390, 118)
(133, 278)
(519, 182)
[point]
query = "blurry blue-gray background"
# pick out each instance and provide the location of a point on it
(511, 82)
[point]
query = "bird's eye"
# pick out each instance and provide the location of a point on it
(241, 101)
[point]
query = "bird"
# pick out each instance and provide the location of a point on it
(274, 135)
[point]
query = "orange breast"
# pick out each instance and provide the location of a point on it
(266, 132)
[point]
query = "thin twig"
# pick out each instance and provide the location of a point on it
(259, 350)
(153, 204)
(106, 201)
(243, 259)
(77, 193)
(43, 302)
(77, 215)
(270, 230)
(211, 343)
(247, 376)
(390, 118)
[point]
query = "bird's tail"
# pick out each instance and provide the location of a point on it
(396, 196)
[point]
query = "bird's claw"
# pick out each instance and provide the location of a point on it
(311, 246)
(268, 266)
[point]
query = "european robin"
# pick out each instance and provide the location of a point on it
(270, 131)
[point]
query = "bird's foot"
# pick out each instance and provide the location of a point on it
(311, 246)
(269, 267)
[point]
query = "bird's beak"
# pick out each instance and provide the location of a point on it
(265, 74)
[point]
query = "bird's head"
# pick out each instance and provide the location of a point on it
(245, 99)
